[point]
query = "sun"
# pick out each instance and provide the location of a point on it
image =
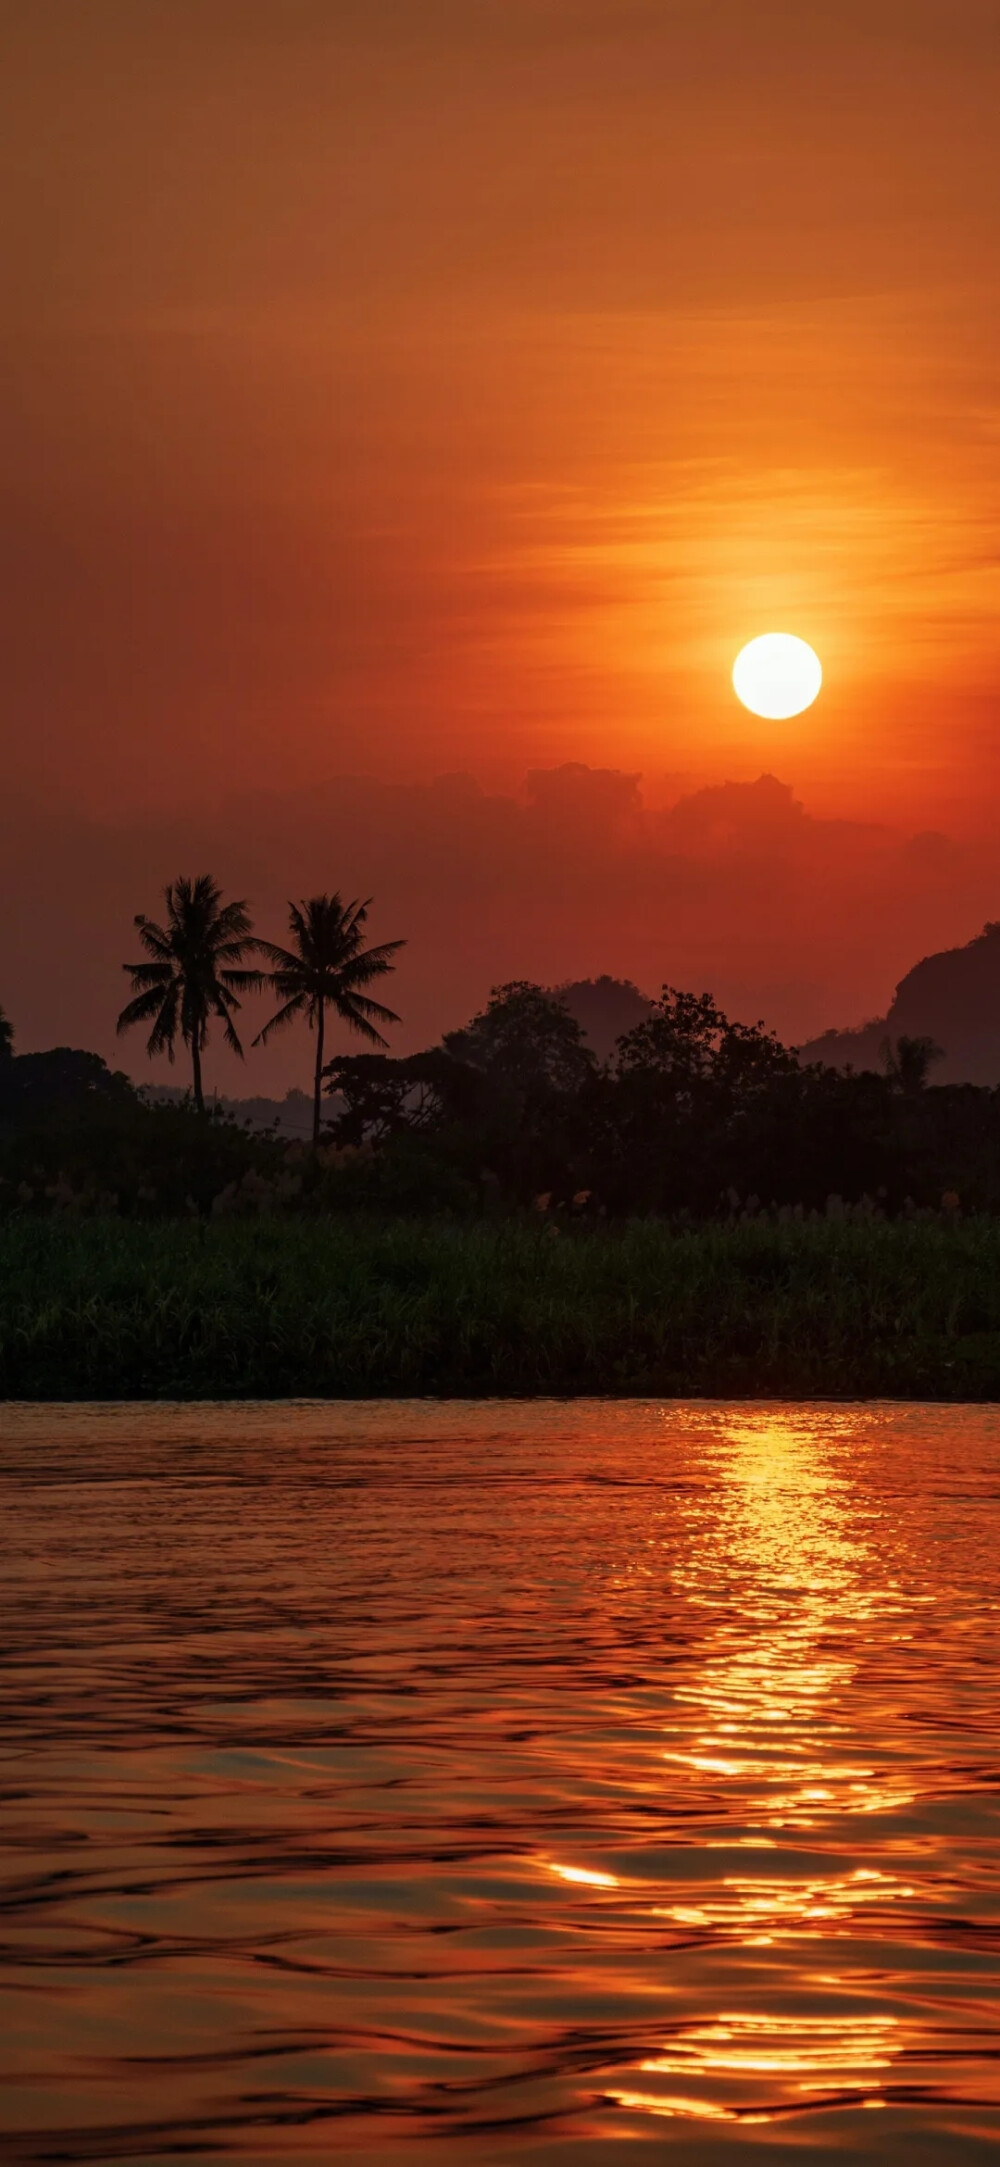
(777, 676)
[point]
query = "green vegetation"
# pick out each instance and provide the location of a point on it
(501, 1213)
(107, 1308)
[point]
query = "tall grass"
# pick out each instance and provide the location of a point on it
(111, 1309)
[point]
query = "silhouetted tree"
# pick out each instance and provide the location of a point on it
(417, 1096)
(193, 973)
(63, 1076)
(527, 1039)
(687, 1042)
(328, 966)
(6, 1037)
(907, 1062)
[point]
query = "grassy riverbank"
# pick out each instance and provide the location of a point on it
(109, 1309)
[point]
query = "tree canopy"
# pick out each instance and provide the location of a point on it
(526, 1039)
(687, 1043)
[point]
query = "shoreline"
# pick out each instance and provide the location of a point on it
(113, 1310)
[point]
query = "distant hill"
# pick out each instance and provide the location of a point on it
(953, 997)
(290, 1116)
(605, 1008)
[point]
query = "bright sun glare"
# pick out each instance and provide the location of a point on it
(777, 676)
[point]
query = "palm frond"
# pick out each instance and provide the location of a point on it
(140, 1010)
(300, 923)
(285, 1015)
(354, 914)
(233, 951)
(232, 1039)
(164, 1031)
(149, 974)
(288, 985)
(281, 958)
(155, 940)
(221, 1008)
(233, 922)
(373, 1009)
(352, 1010)
(372, 963)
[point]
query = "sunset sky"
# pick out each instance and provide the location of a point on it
(414, 388)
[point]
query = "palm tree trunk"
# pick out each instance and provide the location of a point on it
(199, 1095)
(318, 1087)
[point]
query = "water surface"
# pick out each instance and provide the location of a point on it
(431, 1783)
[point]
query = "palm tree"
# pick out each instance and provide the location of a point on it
(326, 966)
(193, 972)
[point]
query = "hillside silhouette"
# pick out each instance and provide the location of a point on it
(952, 997)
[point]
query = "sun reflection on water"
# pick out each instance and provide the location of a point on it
(768, 1703)
(760, 1743)
(582, 1874)
(822, 2060)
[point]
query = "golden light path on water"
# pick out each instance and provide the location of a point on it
(542, 1782)
(768, 1707)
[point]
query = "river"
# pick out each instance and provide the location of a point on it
(554, 1782)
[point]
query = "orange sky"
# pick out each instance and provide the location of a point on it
(413, 387)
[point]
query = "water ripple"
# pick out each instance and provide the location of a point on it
(527, 1782)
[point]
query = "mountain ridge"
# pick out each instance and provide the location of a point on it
(951, 996)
